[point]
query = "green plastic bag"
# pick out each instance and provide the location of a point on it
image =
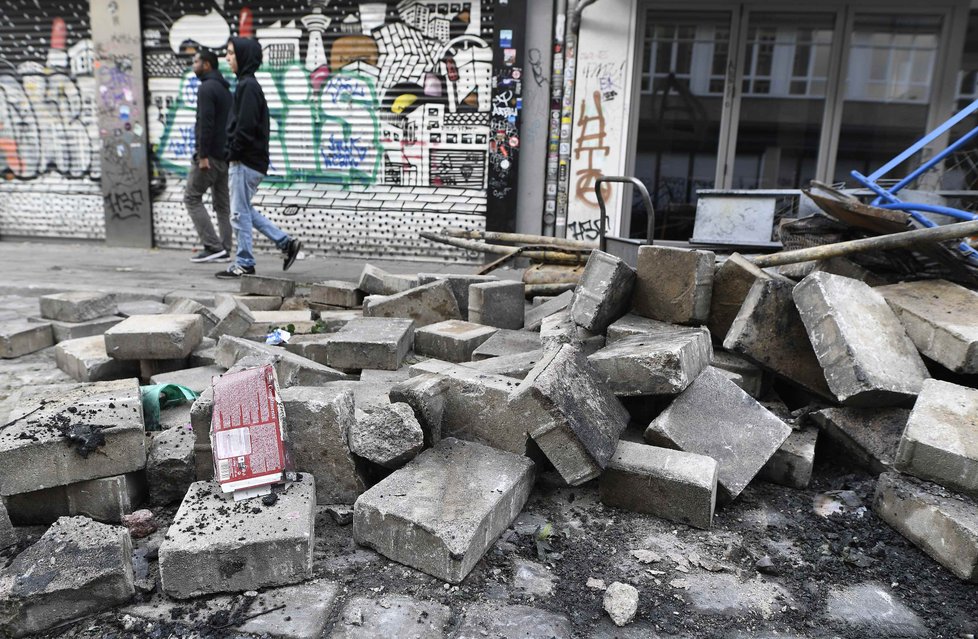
(157, 397)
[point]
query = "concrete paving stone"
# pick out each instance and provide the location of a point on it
(559, 329)
(444, 537)
(724, 594)
(451, 340)
(376, 281)
(674, 285)
(251, 302)
(507, 342)
(865, 353)
(714, 417)
(204, 354)
(312, 346)
(336, 293)
(389, 436)
(197, 379)
(331, 321)
(105, 499)
(533, 318)
(427, 304)
(740, 371)
(868, 436)
(218, 545)
(268, 286)
(391, 616)
(874, 610)
(460, 283)
(732, 280)
(233, 318)
(501, 621)
(73, 330)
(585, 420)
(142, 307)
(480, 407)
(792, 464)
(500, 304)
(604, 292)
(768, 330)
(207, 298)
(939, 317)
(632, 325)
(377, 376)
(154, 337)
(186, 306)
(176, 416)
(941, 523)
(77, 568)
(318, 424)
(8, 536)
(517, 366)
(20, 337)
(371, 342)
(77, 306)
(940, 442)
(847, 268)
(170, 465)
(670, 484)
(427, 395)
(653, 364)
(86, 360)
(291, 369)
(296, 322)
(33, 450)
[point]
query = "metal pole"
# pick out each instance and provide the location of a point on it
(516, 238)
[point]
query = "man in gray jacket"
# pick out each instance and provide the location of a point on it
(209, 168)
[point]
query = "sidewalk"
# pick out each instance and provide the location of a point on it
(38, 268)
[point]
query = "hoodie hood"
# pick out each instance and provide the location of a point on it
(214, 74)
(248, 54)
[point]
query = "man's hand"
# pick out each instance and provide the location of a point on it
(203, 164)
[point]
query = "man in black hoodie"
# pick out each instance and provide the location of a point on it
(208, 168)
(248, 135)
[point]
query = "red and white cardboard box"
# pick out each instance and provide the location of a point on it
(247, 432)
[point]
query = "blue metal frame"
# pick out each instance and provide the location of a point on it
(887, 198)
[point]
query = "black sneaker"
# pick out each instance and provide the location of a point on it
(235, 271)
(207, 255)
(291, 252)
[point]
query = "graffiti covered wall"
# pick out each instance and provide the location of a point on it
(380, 115)
(49, 141)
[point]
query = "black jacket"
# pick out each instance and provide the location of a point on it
(248, 122)
(213, 105)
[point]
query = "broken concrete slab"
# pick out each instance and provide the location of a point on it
(768, 330)
(714, 417)
(106, 499)
(427, 304)
(451, 340)
(604, 292)
(77, 306)
(559, 329)
(865, 353)
(270, 286)
(941, 523)
(187, 306)
(86, 360)
(940, 442)
(233, 319)
(391, 616)
(868, 436)
(939, 317)
(427, 396)
(291, 369)
(533, 318)
(517, 366)
(78, 568)
(501, 621)
(73, 330)
(740, 371)
(506, 342)
(498, 304)
(585, 418)
(20, 337)
(155, 337)
(389, 436)
(170, 465)
(197, 379)
(371, 342)
(449, 534)
(336, 293)
(318, 423)
(376, 281)
(792, 464)
(35, 452)
(217, 545)
(460, 283)
(653, 364)
(670, 484)
(674, 285)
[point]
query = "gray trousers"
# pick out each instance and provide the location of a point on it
(215, 179)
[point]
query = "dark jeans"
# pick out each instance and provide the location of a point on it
(215, 179)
